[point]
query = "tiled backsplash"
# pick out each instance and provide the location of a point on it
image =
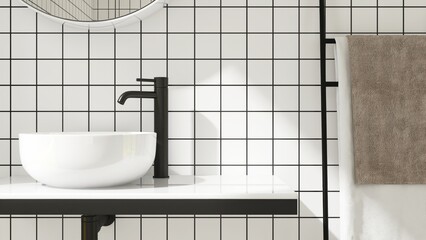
(244, 99)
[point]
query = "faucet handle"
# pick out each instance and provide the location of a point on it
(159, 82)
(145, 80)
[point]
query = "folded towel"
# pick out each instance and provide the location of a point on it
(388, 75)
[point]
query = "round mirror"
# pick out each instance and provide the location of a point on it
(96, 12)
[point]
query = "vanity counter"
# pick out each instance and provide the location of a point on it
(176, 195)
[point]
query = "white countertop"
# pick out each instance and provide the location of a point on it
(176, 187)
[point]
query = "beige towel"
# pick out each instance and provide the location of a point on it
(388, 75)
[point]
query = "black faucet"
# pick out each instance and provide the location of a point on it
(160, 96)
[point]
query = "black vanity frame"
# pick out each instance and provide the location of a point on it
(101, 212)
(148, 206)
(324, 41)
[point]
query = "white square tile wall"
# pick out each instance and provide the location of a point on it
(244, 99)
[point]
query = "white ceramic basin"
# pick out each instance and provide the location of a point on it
(87, 160)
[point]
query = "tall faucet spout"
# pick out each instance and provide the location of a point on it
(161, 121)
(135, 94)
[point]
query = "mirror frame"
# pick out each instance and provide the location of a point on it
(134, 16)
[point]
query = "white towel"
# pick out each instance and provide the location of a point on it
(371, 212)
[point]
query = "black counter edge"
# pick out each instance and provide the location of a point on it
(148, 206)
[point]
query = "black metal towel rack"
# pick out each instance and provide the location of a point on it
(324, 85)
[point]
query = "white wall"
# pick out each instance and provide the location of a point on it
(244, 99)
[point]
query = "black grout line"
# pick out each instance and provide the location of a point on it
(252, 165)
(155, 216)
(170, 85)
(140, 227)
(403, 17)
(276, 6)
(228, 138)
(36, 227)
(164, 59)
(279, 6)
(167, 40)
(351, 17)
(167, 71)
(246, 83)
(62, 77)
(227, 165)
(198, 33)
(97, 9)
(221, 104)
(10, 105)
(220, 220)
(140, 74)
(115, 79)
(273, 87)
(36, 75)
(170, 32)
(10, 6)
(377, 17)
(301, 7)
(62, 227)
(167, 227)
(195, 90)
(298, 122)
(195, 227)
(171, 111)
(220, 93)
(88, 80)
(273, 226)
(115, 230)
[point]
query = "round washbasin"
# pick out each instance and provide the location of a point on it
(87, 160)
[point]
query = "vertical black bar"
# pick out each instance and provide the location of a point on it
(324, 117)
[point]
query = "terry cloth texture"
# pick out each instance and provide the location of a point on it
(388, 75)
